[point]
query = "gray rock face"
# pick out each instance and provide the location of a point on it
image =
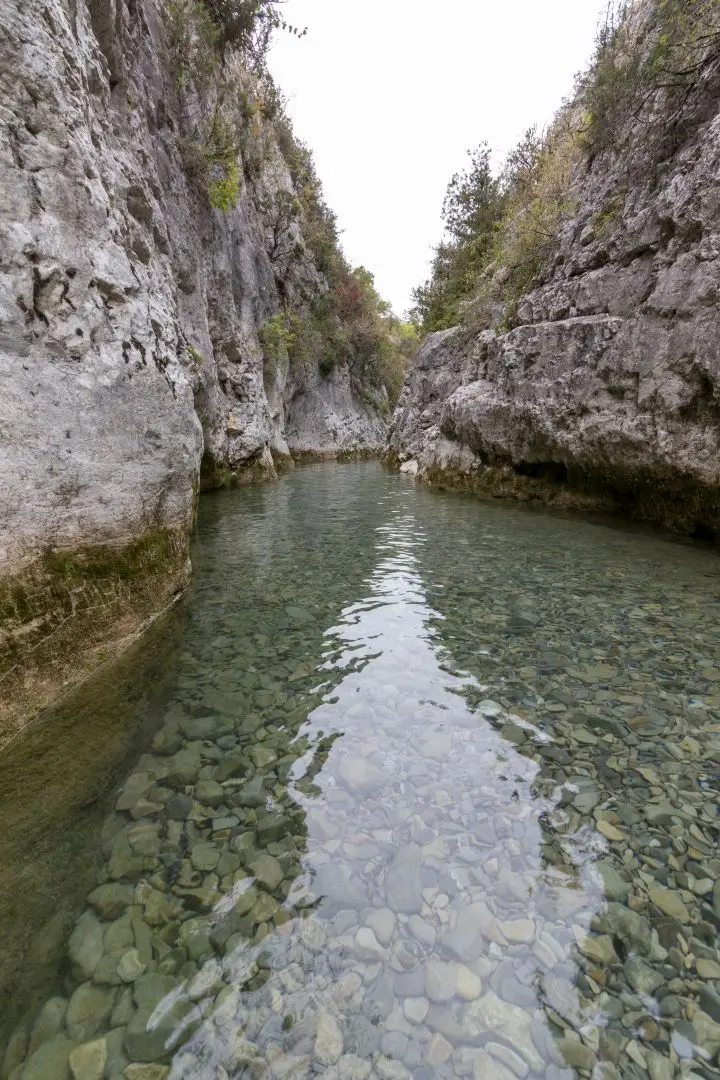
(129, 317)
(609, 380)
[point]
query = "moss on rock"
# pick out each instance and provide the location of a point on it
(71, 609)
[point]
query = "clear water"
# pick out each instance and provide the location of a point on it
(409, 785)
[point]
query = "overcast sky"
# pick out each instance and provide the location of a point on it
(390, 95)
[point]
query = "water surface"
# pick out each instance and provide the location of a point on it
(432, 793)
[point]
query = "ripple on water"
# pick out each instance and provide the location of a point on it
(433, 793)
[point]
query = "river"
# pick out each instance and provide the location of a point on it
(408, 785)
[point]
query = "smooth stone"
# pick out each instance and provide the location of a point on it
(410, 983)
(440, 1018)
(184, 765)
(382, 922)
(642, 978)
(614, 886)
(119, 935)
(394, 1044)
(487, 1068)
(130, 967)
(708, 969)
(50, 1061)
(204, 857)
(518, 931)
(575, 1054)
(438, 1051)
(632, 929)
(490, 1014)
(49, 1022)
(467, 941)
(709, 1001)
(136, 1071)
(85, 947)
(262, 756)
(111, 900)
(87, 1062)
(659, 1066)
(599, 949)
(422, 931)
(440, 981)
(361, 776)
(670, 904)
(272, 827)
(708, 1032)
(209, 793)
(264, 909)
(416, 1009)
(328, 1040)
(367, 946)
(609, 831)
(403, 883)
(517, 1065)
(267, 871)
(468, 985)
(88, 1011)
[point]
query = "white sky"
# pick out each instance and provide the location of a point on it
(390, 94)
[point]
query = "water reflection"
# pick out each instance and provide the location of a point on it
(421, 838)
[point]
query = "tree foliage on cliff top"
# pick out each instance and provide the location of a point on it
(639, 99)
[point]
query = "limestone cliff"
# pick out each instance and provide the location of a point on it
(129, 319)
(600, 387)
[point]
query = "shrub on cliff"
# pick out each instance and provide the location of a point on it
(500, 230)
(650, 64)
(655, 63)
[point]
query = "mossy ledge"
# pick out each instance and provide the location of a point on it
(664, 499)
(308, 457)
(69, 611)
(215, 474)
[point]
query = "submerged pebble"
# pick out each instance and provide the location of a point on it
(411, 809)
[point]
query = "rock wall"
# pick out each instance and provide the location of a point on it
(129, 312)
(604, 391)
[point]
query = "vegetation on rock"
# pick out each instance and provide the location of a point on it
(234, 122)
(652, 63)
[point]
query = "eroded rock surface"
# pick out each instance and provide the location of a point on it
(129, 352)
(608, 380)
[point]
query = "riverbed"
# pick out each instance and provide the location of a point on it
(408, 785)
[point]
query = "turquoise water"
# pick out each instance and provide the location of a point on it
(409, 785)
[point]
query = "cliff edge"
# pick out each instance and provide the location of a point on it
(159, 226)
(586, 369)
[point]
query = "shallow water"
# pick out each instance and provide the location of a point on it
(433, 793)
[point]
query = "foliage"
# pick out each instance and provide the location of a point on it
(194, 40)
(231, 119)
(222, 105)
(223, 190)
(500, 230)
(349, 325)
(651, 67)
(248, 26)
(642, 63)
(277, 337)
(472, 211)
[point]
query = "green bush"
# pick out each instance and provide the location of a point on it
(648, 70)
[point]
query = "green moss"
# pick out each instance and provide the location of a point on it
(662, 498)
(63, 613)
(215, 475)
(145, 555)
